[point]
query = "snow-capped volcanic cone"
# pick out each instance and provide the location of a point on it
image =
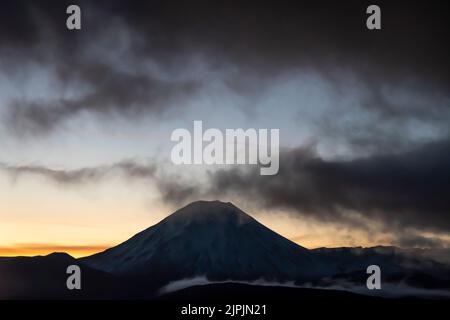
(212, 239)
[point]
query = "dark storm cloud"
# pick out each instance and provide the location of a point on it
(400, 190)
(260, 39)
(114, 92)
(78, 63)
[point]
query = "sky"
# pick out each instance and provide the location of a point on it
(86, 118)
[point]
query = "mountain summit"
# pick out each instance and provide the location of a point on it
(210, 211)
(212, 239)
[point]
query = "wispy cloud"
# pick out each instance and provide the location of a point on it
(129, 168)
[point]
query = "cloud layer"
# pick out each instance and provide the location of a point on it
(137, 58)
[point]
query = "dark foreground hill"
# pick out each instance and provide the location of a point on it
(44, 277)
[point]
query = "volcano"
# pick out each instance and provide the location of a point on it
(212, 239)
